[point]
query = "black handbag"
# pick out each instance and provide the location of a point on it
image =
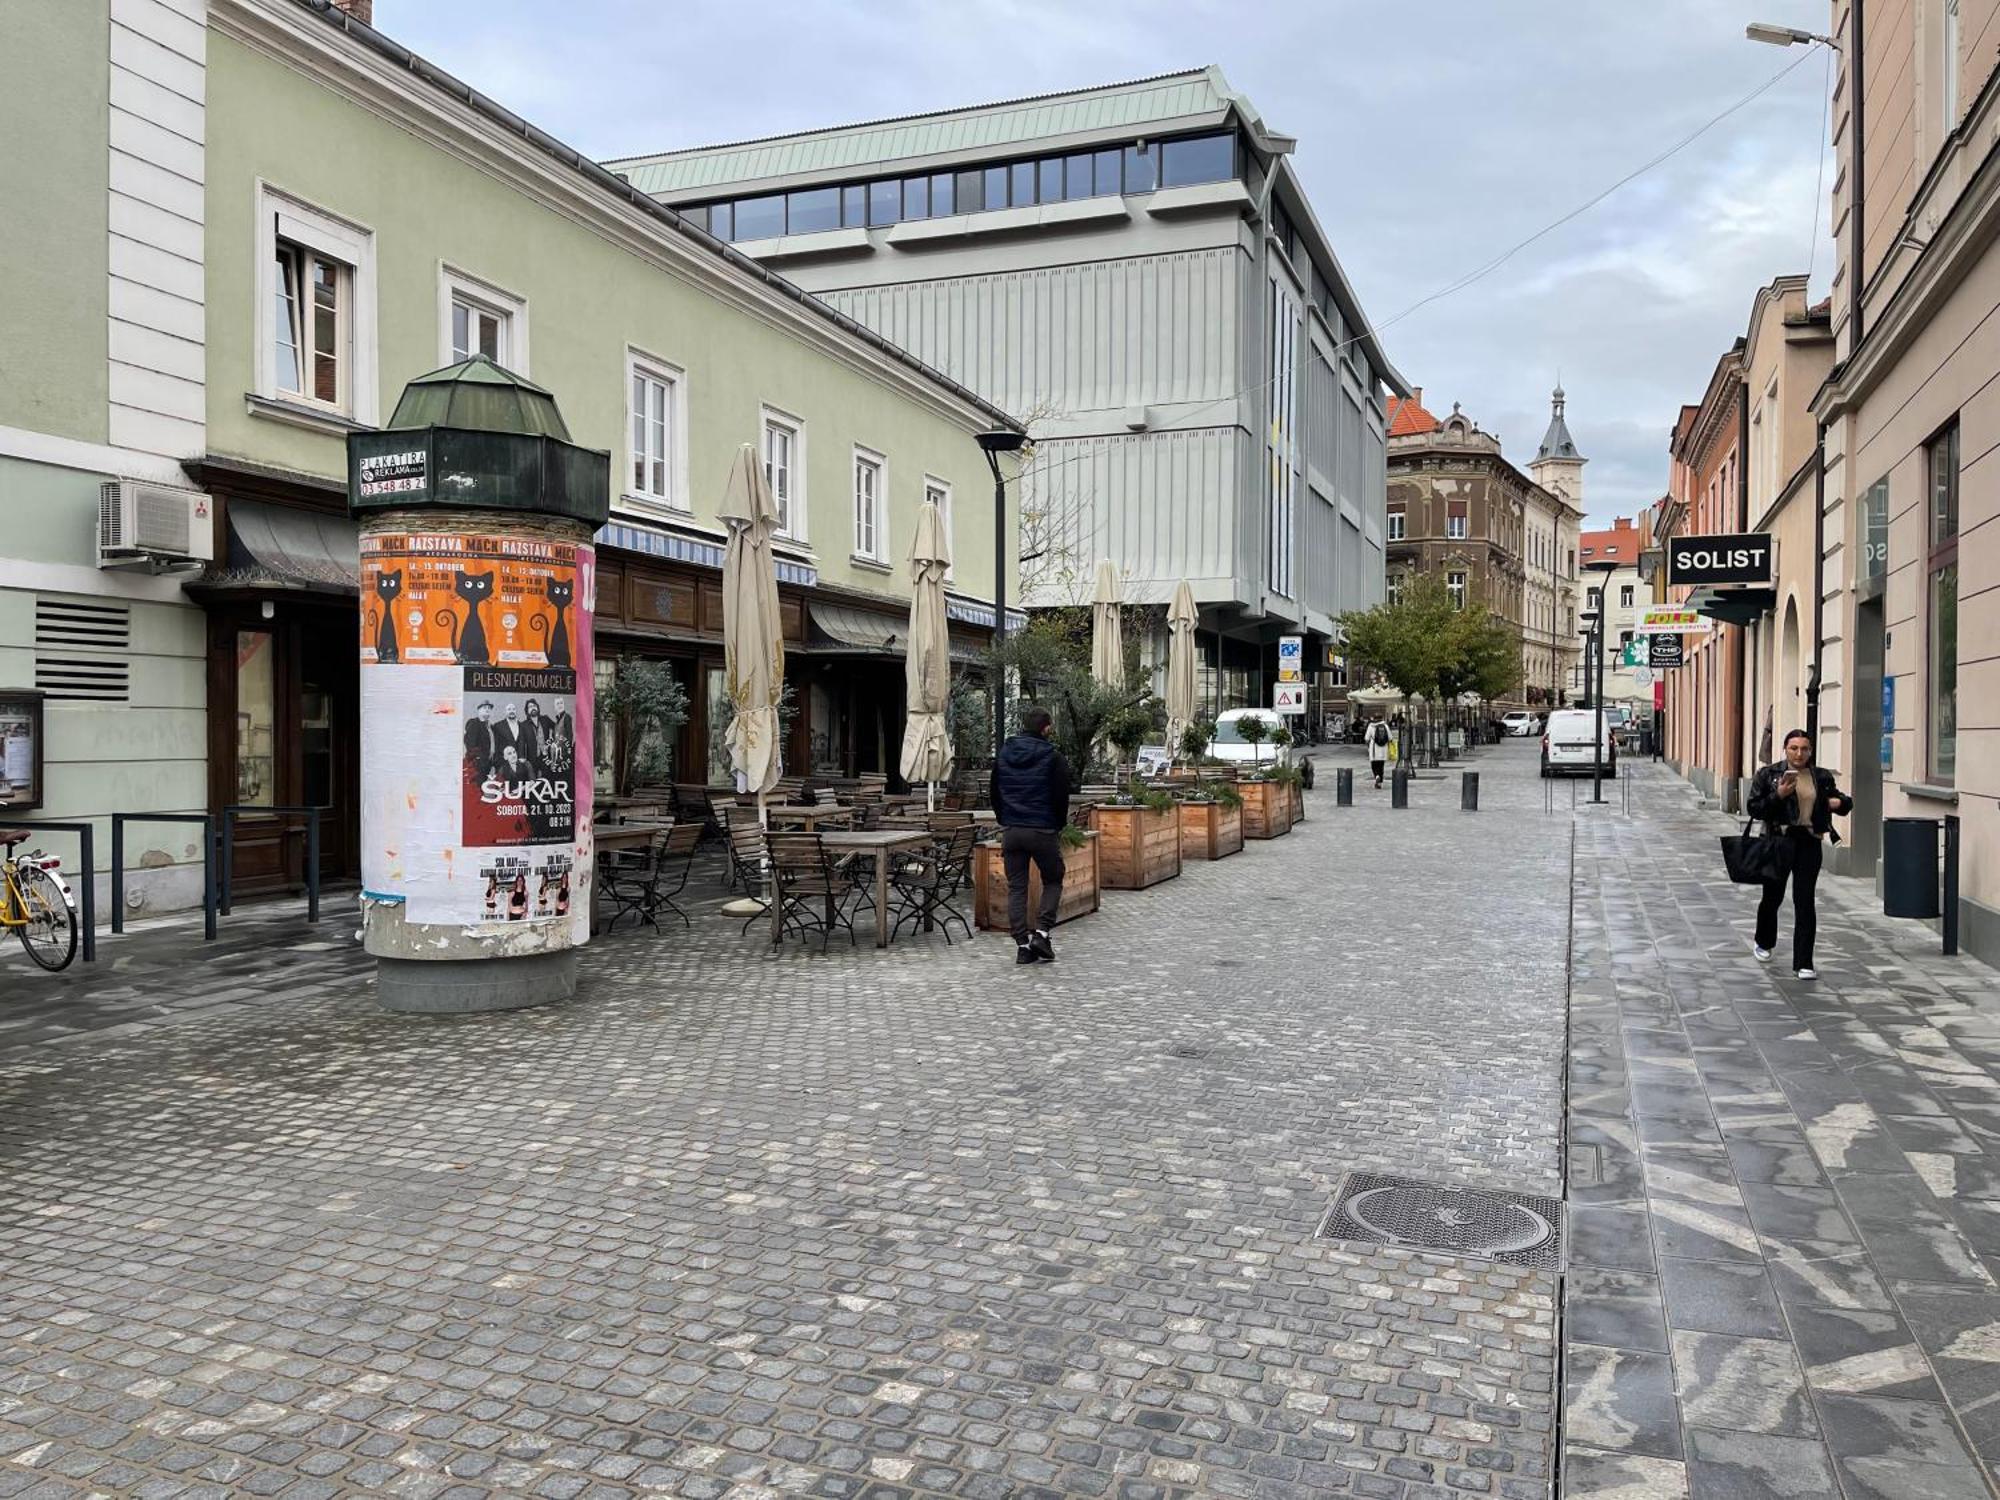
(1755, 858)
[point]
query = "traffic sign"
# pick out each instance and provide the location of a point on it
(1291, 658)
(1288, 698)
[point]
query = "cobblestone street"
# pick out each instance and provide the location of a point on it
(879, 1223)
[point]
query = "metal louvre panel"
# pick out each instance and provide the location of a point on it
(69, 623)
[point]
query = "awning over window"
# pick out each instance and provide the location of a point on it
(279, 547)
(843, 630)
(1734, 606)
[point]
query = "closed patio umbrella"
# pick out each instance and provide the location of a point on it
(927, 753)
(753, 638)
(1181, 617)
(1107, 632)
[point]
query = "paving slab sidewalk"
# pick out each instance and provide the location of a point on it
(1785, 1195)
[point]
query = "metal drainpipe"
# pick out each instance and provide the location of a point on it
(1819, 582)
(1857, 136)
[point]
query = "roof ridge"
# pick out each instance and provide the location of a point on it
(921, 114)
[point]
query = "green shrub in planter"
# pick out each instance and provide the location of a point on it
(1072, 836)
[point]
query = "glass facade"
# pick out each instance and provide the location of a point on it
(1049, 179)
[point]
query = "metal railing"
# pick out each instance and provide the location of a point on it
(207, 822)
(236, 810)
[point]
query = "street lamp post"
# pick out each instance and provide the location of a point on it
(1603, 570)
(993, 444)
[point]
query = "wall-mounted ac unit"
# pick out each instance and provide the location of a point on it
(156, 526)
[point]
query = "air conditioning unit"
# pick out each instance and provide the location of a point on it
(153, 526)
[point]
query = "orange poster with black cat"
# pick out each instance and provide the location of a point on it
(454, 600)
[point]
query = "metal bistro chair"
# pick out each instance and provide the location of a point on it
(696, 804)
(631, 878)
(812, 890)
(673, 861)
(926, 889)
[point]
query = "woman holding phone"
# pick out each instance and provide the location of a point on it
(1798, 802)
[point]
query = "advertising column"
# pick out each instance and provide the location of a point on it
(476, 696)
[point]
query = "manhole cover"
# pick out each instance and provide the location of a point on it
(1513, 1227)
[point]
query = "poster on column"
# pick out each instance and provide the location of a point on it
(476, 726)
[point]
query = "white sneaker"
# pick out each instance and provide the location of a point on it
(1763, 954)
(1809, 973)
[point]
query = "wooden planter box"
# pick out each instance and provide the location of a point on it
(1081, 885)
(1267, 809)
(1137, 846)
(1209, 830)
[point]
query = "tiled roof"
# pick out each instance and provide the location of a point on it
(1620, 545)
(1407, 416)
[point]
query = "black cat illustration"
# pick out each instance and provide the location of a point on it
(469, 642)
(560, 595)
(388, 586)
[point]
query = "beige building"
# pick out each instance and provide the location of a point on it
(1910, 705)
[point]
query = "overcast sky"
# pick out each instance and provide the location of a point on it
(1426, 151)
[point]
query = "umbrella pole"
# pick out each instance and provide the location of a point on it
(930, 796)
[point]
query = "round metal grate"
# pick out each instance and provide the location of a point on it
(1443, 1218)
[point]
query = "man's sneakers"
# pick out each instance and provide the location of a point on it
(1024, 953)
(1809, 973)
(1043, 949)
(1763, 954)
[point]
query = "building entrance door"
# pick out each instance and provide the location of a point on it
(1864, 848)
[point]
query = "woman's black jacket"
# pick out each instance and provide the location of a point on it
(1780, 813)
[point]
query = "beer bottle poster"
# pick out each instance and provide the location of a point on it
(476, 657)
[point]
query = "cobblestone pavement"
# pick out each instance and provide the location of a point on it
(896, 1223)
(1785, 1197)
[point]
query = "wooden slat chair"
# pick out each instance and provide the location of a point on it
(696, 804)
(813, 891)
(748, 858)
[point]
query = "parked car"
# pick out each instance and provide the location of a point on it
(1230, 746)
(1566, 747)
(1520, 723)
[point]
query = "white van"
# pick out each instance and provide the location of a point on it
(1566, 743)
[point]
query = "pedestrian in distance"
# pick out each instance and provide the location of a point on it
(1378, 751)
(1798, 802)
(1031, 787)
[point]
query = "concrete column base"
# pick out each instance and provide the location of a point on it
(468, 986)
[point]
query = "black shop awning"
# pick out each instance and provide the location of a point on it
(279, 548)
(843, 630)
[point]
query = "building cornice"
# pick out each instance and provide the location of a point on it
(332, 49)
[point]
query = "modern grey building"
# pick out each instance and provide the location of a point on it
(1136, 271)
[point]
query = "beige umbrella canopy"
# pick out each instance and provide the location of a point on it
(927, 666)
(1107, 632)
(753, 639)
(1181, 617)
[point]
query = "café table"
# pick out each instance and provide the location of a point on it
(808, 818)
(879, 843)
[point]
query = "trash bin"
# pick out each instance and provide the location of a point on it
(1910, 867)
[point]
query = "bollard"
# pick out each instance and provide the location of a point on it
(1343, 787)
(1468, 791)
(1399, 788)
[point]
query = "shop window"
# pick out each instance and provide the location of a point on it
(256, 719)
(784, 471)
(1941, 641)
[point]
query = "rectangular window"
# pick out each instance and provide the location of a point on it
(722, 220)
(811, 211)
(885, 202)
(868, 504)
(1049, 179)
(1141, 168)
(476, 317)
(916, 197)
(1201, 158)
(1624, 596)
(477, 330)
(1104, 174)
(314, 310)
(853, 207)
(655, 423)
(969, 195)
(1395, 588)
(784, 471)
(760, 218)
(1454, 585)
(256, 719)
(994, 193)
(1457, 525)
(1941, 645)
(311, 325)
(1022, 188)
(1280, 455)
(941, 195)
(939, 493)
(1875, 529)
(1396, 520)
(1076, 176)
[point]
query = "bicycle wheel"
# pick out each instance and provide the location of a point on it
(49, 934)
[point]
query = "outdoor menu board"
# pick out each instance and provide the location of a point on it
(475, 747)
(20, 749)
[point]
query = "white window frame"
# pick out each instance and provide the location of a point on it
(457, 285)
(1459, 591)
(676, 502)
(1948, 83)
(795, 526)
(280, 216)
(875, 547)
(942, 489)
(1398, 524)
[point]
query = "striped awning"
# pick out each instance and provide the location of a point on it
(696, 551)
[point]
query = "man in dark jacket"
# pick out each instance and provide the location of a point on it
(1031, 800)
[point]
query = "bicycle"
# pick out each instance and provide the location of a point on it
(35, 902)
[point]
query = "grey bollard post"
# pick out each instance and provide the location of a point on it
(1468, 791)
(1343, 787)
(1399, 788)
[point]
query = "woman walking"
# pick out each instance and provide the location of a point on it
(1798, 802)
(1378, 750)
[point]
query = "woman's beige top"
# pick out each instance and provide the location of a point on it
(1805, 787)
